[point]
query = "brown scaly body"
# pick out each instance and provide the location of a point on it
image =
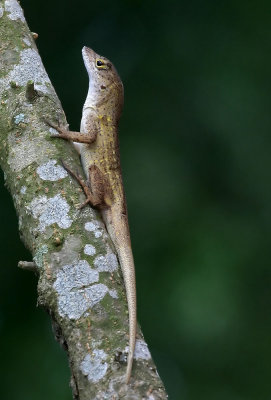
(97, 142)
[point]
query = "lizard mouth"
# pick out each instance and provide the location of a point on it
(88, 50)
(89, 57)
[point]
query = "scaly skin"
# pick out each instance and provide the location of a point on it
(99, 149)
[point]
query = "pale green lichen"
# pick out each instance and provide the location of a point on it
(49, 211)
(19, 118)
(107, 263)
(77, 289)
(89, 250)
(94, 366)
(95, 227)
(141, 350)
(51, 172)
(14, 11)
(23, 190)
(38, 258)
(29, 68)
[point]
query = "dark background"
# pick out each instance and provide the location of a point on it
(195, 149)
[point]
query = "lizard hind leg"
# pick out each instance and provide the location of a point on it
(100, 186)
(95, 192)
(90, 198)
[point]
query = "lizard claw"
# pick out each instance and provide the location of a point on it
(64, 165)
(56, 127)
(50, 123)
(80, 180)
(84, 204)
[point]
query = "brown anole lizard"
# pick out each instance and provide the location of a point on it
(98, 145)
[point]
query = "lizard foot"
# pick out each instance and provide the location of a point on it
(62, 132)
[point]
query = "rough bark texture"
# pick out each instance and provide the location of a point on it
(80, 282)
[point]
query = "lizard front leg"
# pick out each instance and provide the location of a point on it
(78, 137)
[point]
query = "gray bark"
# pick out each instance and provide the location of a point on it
(80, 282)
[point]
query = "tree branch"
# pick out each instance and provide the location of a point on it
(80, 282)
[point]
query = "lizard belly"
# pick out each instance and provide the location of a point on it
(104, 154)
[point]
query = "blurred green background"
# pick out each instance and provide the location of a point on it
(195, 148)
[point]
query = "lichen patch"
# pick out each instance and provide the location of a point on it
(50, 211)
(94, 366)
(89, 250)
(27, 41)
(25, 152)
(141, 350)
(76, 275)
(113, 293)
(95, 227)
(107, 263)
(51, 172)
(14, 10)
(38, 258)
(77, 290)
(19, 118)
(29, 68)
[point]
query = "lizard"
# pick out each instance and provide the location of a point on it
(98, 145)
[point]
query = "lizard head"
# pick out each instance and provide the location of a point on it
(105, 86)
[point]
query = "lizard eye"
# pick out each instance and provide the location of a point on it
(99, 63)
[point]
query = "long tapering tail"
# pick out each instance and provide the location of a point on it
(117, 226)
(127, 265)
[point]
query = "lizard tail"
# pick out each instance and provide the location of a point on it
(128, 270)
